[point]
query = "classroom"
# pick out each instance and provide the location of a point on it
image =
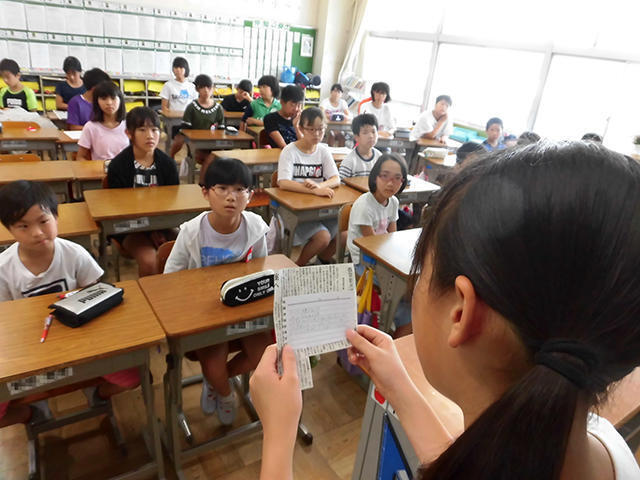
(384, 240)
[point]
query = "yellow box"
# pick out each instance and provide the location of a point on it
(134, 86)
(49, 104)
(131, 105)
(35, 86)
(39, 105)
(154, 86)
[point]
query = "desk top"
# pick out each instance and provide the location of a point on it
(394, 250)
(58, 171)
(233, 114)
(428, 142)
(346, 121)
(215, 135)
(251, 156)
(88, 169)
(114, 203)
(64, 138)
(34, 135)
(417, 185)
(73, 220)
(128, 326)
(188, 301)
(306, 201)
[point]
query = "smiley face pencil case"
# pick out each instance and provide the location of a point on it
(249, 288)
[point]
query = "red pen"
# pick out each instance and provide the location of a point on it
(47, 325)
(249, 255)
(68, 294)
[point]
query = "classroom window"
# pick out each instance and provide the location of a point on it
(405, 15)
(487, 82)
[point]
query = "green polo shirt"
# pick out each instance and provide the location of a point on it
(260, 109)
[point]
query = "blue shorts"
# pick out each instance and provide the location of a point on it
(304, 231)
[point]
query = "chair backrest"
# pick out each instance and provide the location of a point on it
(20, 125)
(162, 254)
(366, 100)
(341, 237)
(264, 139)
(19, 157)
(274, 179)
(343, 219)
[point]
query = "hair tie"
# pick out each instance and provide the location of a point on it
(577, 372)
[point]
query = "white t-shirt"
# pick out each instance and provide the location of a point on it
(386, 121)
(426, 123)
(296, 165)
(624, 463)
(104, 143)
(369, 212)
(354, 165)
(179, 94)
(71, 267)
(330, 109)
(218, 248)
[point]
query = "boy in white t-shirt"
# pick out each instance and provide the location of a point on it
(434, 124)
(305, 166)
(225, 234)
(38, 263)
(360, 161)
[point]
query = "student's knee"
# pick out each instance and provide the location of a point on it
(212, 355)
(322, 238)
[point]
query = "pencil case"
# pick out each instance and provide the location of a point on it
(249, 288)
(87, 304)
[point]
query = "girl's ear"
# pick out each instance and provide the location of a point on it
(129, 134)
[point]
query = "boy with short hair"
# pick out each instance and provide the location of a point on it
(494, 135)
(15, 94)
(434, 124)
(360, 161)
(225, 234)
(80, 107)
(282, 126)
(241, 99)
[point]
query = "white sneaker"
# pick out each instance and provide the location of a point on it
(227, 407)
(208, 398)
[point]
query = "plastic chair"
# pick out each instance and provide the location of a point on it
(22, 157)
(366, 100)
(163, 253)
(274, 179)
(343, 226)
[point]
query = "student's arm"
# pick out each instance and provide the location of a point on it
(260, 248)
(83, 153)
(366, 230)
(60, 105)
(32, 103)
(436, 128)
(331, 182)
(88, 271)
(179, 257)
(164, 103)
(73, 118)
(271, 127)
(74, 127)
(392, 227)
(277, 139)
(5, 291)
(255, 121)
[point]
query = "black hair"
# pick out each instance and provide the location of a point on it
(71, 64)
(336, 86)
(271, 82)
(592, 137)
(103, 90)
(93, 77)
(363, 119)
(381, 87)
(375, 170)
(16, 198)
(494, 121)
(203, 80)
(246, 85)
(9, 65)
(181, 62)
(466, 149)
(526, 138)
(292, 93)
(141, 116)
(446, 98)
(227, 171)
(555, 251)
(309, 115)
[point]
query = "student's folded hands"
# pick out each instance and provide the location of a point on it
(323, 192)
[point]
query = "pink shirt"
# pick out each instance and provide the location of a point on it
(104, 143)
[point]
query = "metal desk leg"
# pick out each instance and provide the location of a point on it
(393, 289)
(173, 405)
(147, 394)
(290, 221)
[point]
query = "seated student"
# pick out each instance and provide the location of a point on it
(202, 113)
(225, 234)
(334, 104)
(306, 166)
(266, 103)
(40, 263)
(15, 94)
(468, 151)
(591, 137)
(282, 127)
(72, 85)
(494, 135)
(80, 107)
(360, 160)
(241, 99)
(378, 106)
(434, 124)
(509, 325)
(375, 213)
(105, 136)
(526, 138)
(143, 165)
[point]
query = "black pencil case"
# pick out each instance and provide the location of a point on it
(88, 303)
(249, 288)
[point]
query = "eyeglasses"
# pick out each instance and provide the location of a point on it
(224, 191)
(387, 177)
(315, 130)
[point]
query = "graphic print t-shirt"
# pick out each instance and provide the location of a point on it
(217, 248)
(296, 165)
(179, 94)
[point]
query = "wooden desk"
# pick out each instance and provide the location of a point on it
(261, 161)
(294, 208)
(212, 140)
(74, 223)
(118, 339)
(88, 175)
(125, 210)
(254, 131)
(22, 139)
(419, 191)
(233, 118)
(68, 145)
(199, 322)
(168, 124)
(390, 255)
(57, 174)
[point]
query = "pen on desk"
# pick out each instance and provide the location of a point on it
(68, 294)
(47, 325)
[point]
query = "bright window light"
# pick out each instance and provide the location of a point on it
(403, 15)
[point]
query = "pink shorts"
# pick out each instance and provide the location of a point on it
(3, 409)
(129, 378)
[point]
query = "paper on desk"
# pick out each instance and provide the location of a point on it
(75, 134)
(313, 308)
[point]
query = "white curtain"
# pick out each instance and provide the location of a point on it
(351, 65)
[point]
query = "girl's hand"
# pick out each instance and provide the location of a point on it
(310, 183)
(375, 353)
(278, 400)
(247, 96)
(323, 192)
